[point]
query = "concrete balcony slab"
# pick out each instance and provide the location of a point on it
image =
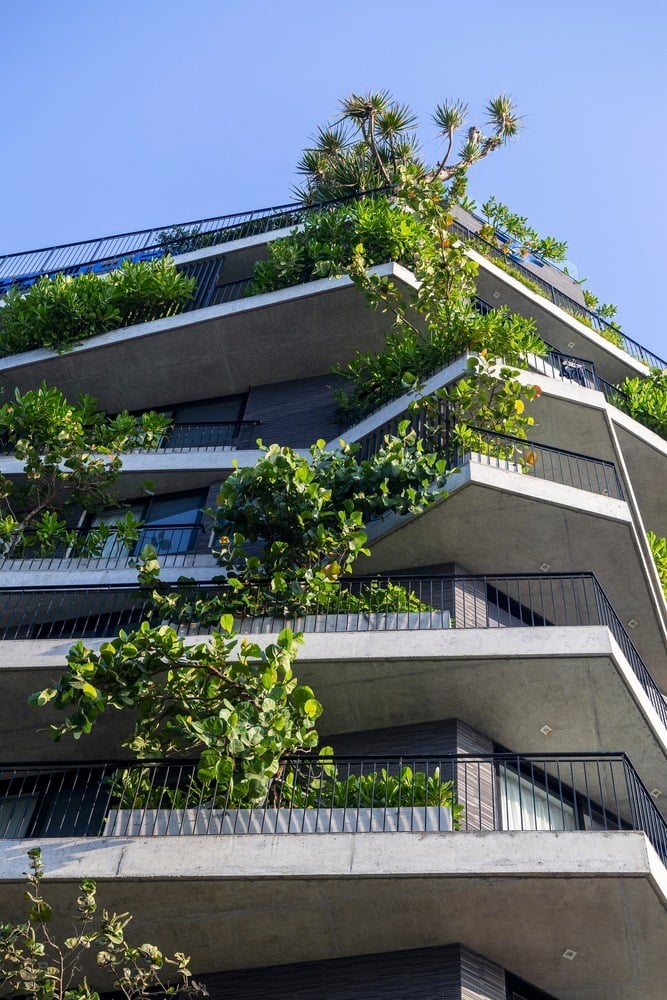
(526, 524)
(243, 902)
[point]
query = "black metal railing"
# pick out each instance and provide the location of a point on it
(23, 268)
(569, 468)
(175, 544)
(559, 298)
(362, 604)
(212, 436)
(556, 364)
(346, 794)
(434, 428)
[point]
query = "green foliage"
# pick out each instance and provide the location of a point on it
(239, 709)
(307, 516)
(324, 247)
(524, 240)
(33, 963)
(408, 789)
(71, 458)
(658, 547)
(437, 323)
(646, 400)
(375, 139)
(60, 312)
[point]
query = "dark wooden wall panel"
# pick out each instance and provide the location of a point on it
(282, 409)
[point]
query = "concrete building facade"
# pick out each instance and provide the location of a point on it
(534, 681)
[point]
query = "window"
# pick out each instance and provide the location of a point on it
(169, 524)
(524, 805)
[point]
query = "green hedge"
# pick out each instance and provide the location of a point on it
(60, 312)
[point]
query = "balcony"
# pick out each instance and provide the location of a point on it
(568, 847)
(179, 545)
(504, 653)
(617, 340)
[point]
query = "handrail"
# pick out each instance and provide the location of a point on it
(563, 301)
(358, 604)
(54, 259)
(343, 793)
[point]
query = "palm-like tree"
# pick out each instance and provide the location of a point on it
(375, 136)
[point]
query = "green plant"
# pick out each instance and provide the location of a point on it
(501, 222)
(34, 963)
(434, 325)
(71, 455)
(658, 548)
(407, 789)
(645, 399)
(61, 311)
(237, 708)
(324, 247)
(374, 139)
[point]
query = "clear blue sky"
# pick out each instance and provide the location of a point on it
(136, 113)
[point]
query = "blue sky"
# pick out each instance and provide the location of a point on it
(136, 113)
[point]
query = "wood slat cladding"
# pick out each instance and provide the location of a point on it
(281, 408)
(480, 979)
(426, 973)
(475, 780)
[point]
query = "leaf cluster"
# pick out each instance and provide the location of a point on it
(374, 139)
(71, 459)
(61, 311)
(512, 234)
(325, 245)
(645, 399)
(34, 963)
(237, 708)
(408, 788)
(658, 547)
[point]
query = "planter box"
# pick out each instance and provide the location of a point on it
(385, 621)
(180, 822)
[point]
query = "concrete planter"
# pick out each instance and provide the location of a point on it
(179, 822)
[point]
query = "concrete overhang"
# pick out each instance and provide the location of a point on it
(519, 523)
(645, 456)
(554, 325)
(506, 682)
(249, 901)
(240, 256)
(275, 337)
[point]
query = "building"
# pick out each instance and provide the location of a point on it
(555, 886)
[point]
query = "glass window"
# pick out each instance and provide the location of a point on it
(15, 815)
(526, 804)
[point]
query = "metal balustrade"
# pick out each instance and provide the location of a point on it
(433, 427)
(212, 436)
(560, 299)
(361, 604)
(107, 252)
(556, 364)
(334, 794)
(176, 545)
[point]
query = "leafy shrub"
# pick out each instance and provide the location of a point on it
(325, 245)
(646, 400)
(59, 312)
(408, 788)
(659, 552)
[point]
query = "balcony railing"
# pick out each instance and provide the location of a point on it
(557, 364)
(569, 468)
(461, 601)
(213, 436)
(176, 544)
(103, 254)
(347, 794)
(563, 301)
